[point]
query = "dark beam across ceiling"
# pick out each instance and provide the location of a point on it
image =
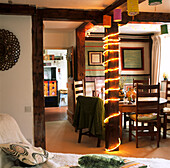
(17, 9)
(71, 14)
(146, 17)
(116, 4)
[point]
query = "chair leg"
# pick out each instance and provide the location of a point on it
(98, 142)
(130, 130)
(125, 118)
(165, 125)
(136, 134)
(152, 131)
(80, 135)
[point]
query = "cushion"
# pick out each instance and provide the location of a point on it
(100, 161)
(26, 153)
(166, 110)
(144, 117)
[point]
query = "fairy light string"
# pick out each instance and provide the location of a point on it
(111, 45)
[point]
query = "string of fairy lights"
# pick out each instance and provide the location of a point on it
(110, 41)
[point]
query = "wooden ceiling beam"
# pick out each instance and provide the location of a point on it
(71, 15)
(11, 9)
(116, 4)
(146, 17)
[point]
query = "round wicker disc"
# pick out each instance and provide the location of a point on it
(9, 49)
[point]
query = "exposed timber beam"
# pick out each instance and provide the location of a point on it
(146, 17)
(117, 3)
(71, 15)
(11, 9)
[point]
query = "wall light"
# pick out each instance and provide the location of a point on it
(117, 15)
(132, 7)
(107, 21)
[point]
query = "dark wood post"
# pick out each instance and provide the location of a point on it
(112, 132)
(38, 78)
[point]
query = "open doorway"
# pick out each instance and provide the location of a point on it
(55, 84)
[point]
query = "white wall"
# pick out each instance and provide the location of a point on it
(58, 39)
(16, 87)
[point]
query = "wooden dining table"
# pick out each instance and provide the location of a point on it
(125, 107)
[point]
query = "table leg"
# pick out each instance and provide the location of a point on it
(120, 120)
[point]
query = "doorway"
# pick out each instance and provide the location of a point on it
(55, 84)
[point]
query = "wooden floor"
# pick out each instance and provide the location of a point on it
(56, 113)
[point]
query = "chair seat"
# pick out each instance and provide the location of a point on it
(144, 117)
(166, 110)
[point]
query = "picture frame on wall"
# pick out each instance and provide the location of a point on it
(132, 58)
(95, 58)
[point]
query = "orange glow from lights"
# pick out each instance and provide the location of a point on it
(106, 45)
(110, 60)
(111, 116)
(115, 147)
(111, 79)
(110, 51)
(111, 70)
(112, 89)
(111, 42)
(111, 35)
(112, 99)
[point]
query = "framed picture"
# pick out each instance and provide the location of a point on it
(95, 58)
(132, 58)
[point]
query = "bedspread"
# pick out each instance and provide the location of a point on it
(62, 160)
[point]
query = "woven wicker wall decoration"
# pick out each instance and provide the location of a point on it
(9, 49)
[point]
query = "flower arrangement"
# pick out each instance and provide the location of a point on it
(165, 76)
(131, 95)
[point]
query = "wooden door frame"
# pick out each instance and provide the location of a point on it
(38, 15)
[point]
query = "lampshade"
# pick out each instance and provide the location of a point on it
(117, 15)
(164, 29)
(155, 2)
(107, 21)
(132, 7)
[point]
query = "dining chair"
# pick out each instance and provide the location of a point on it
(89, 117)
(166, 111)
(78, 90)
(147, 111)
(135, 82)
(140, 82)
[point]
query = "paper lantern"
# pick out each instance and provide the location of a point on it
(117, 15)
(164, 29)
(107, 23)
(132, 7)
(155, 2)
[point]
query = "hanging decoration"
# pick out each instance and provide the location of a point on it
(155, 2)
(107, 21)
(9, 49)
(117, 15)
(111, 53)
(132, 7)
(164, 29)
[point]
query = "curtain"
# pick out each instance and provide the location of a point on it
(165, 57)
(156, 59)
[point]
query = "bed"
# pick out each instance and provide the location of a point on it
(10, 132)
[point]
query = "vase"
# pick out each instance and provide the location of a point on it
(130, 100)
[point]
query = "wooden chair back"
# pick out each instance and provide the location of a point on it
(147, 103)
(168, 93)
(140, 82)
(147, 99)
(78, 90)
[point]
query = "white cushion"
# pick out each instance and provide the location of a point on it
(166, 110)
(26, 153)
